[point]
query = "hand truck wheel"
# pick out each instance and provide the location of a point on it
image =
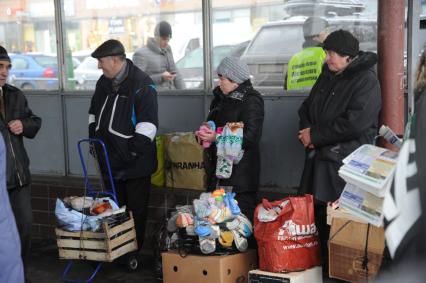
(133, 262)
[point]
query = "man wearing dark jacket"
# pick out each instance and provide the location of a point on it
(340, 114)
(17, 121)
(124, 114)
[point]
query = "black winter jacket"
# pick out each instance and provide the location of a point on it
(17, 161)
(243, 104)
(342, 111)
(116, 118)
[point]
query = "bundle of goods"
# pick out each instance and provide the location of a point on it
(286, 234)
(214, 224)
(93, 229)
(87, 213)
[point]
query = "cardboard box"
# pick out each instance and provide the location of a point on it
(347, 243)
(208, 269)
(341, 213)
(312, 275)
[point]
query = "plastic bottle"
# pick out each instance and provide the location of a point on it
(390, 136)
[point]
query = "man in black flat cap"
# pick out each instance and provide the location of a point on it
(124, 115)
(340, 114)
(156, 59)
(16, 122)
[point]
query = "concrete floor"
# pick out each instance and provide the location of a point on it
(45, 267)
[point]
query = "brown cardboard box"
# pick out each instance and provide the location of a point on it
(341, 213)
(312, 275)
(208, 269)
(346, 250)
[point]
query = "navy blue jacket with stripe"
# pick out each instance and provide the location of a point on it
(126, 120)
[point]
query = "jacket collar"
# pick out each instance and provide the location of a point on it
(239, 93)
(123, 85)
(153, 45)
(364, 61)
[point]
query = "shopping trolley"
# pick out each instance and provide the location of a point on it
(107, 245)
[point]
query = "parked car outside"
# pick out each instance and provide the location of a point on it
(323, 7)
(87, 73)
(34, 71)
(191, 65)
(275, 43)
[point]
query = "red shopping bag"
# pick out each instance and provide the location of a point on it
(290, 242)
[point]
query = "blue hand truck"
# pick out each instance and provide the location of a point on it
(131, 257)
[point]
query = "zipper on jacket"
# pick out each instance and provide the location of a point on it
(14, 159)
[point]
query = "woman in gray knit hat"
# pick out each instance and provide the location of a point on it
(235, 100)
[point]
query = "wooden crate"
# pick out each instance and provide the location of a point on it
(107, 245)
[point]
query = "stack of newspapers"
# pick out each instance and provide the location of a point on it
(368, 172)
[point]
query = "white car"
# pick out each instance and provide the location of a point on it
(87, 74)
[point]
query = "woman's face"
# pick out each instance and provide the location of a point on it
(336, 62)
(226, 85)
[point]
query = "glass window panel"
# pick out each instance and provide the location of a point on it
(88, 23)
(27, 31)
(269, 32)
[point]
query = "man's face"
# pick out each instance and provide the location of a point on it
(163, 41)
(110, 66)
(5, 66)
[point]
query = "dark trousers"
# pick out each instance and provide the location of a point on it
(323, 232)
(20, 200)
(134, 193)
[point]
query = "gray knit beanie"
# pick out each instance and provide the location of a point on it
(233, 69)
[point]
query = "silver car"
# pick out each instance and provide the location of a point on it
(275, 43)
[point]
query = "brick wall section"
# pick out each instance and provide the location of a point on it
(46, 189)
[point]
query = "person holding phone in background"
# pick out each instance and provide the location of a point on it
(156, 59)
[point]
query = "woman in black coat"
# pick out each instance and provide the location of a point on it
(235, 100)
(340, 114)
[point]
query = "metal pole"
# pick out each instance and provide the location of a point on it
(413, 48)
(60, 45)
(391, 62)
(207, 48)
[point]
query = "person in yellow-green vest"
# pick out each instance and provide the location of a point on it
(305, 66)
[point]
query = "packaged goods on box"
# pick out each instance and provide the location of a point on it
(312, 275)
(370, 168)
(362, 204)
(355, 250)
(286, 234)
(208, 269)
